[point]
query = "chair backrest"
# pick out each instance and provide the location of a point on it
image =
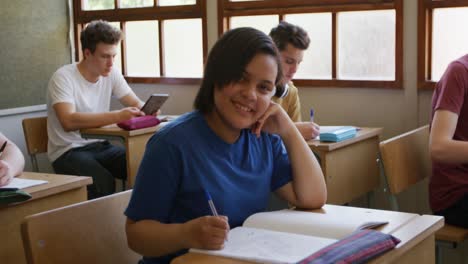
(406, 159)
(89, 232)
(35, 135)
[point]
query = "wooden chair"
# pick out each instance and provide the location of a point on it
(89, 232)
(405, 161)
(35, 135)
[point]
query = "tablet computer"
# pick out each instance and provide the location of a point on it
(154, 102)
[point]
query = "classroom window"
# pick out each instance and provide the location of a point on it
(263, 23)
(318, 26)
(183, 60)
(89, 5)
(353, 43)
(366, 45)
(442, 37)
(176, 2)
(164, 40)
(136, 3)
(142, 42)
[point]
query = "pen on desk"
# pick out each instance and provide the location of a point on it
(311, 115)
(3, 148)
(211, 204)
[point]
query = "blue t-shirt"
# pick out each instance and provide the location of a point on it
(186, 157)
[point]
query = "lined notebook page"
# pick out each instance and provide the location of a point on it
(266, 246)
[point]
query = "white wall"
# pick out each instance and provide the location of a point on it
(11, 127)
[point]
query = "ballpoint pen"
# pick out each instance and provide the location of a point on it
(211, 204)
(3, 148)
(311, 115)
(212, 207)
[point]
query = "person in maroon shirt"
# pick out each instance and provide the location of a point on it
(448, 144)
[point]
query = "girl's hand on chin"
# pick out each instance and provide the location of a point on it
(274, 121)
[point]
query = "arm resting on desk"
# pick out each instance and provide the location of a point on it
(307, 189)
(72, 120)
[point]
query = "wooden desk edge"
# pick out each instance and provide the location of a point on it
(363, 134)
(69, 182)
(411, 235)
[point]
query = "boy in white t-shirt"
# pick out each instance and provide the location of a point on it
(79, 97)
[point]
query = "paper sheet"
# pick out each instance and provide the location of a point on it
(23, 183)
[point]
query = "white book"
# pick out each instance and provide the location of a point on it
(288, 236)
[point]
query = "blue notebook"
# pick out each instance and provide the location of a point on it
(337, 133)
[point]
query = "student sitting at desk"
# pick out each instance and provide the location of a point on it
(11, 160)
(79, 97)
(292, 41)
(448, 186)
(238, 145)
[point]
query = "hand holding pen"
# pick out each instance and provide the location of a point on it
(207, 232)
(309, 130)
(213, 208)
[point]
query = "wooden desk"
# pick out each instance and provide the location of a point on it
(134, 142)
(415, 232)
(349, 166)
(61, 190)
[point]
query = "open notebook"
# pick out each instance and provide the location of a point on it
(285, 236)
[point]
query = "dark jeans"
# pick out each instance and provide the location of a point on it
(101, 160)
(456, 214)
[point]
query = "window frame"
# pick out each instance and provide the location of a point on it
(226, 9)
(155, 13)
(425, 25)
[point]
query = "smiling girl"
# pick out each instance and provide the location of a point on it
(237, 144)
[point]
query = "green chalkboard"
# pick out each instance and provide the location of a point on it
(34, 43)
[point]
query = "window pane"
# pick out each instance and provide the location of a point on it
(98, 4)
(142, 46)
(449, 38)
(366, 45)
(317, 60)
(118, 57)
(176, 2)
(136, 3)
(183, 48)
(262, 23)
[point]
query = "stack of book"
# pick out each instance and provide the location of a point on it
(337, 133)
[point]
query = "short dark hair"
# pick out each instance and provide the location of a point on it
(286, 33)
(228, 60)
(99, 31)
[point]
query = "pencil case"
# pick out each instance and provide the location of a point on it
(139, 122)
